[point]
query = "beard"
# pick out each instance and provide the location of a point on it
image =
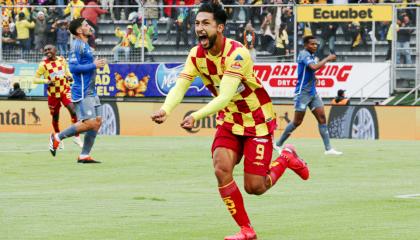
(88, 34)
(211, 41)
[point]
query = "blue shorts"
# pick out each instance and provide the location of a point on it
(304, 100)
(88, 108)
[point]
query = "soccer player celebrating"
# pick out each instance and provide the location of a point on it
(55, 73)
(245, 119)
(306, 95)
(88, 108)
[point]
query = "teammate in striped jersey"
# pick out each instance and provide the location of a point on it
(306, 95)
(245, 119)
(53, 70)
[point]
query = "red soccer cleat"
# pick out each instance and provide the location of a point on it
(54, 144)
(294, 162)
(246, 233)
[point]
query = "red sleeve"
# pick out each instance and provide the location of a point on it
(100, 11)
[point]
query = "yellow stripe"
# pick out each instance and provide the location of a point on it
(234, 74)
(186, 75)
(227, 184)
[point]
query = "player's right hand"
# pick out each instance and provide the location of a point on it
(99, 62)
(159, 116)
(332, 57)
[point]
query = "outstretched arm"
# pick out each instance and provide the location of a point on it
(228, 87)
(175, 96)
(38, 74)
(317, 66)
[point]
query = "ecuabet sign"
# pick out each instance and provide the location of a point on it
(279, 79)
(348, 13)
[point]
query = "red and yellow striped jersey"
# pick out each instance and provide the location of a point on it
(250, 112)
(57, 72)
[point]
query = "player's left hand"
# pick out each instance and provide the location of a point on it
(188, 122)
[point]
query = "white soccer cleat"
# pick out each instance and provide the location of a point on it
(332, 151)
(78, 141)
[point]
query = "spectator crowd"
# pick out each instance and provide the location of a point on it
(263, 26)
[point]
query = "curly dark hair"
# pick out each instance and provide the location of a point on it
(217, 9)
(75, 24)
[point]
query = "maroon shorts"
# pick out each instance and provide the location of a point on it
(257, 150)
(55, 103)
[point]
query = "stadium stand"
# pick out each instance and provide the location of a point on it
(165, 52)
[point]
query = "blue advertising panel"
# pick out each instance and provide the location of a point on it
(143, 80)
(114, 80)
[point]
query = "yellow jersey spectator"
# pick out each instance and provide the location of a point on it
(22, 29)
(128, 39)
(77, 6)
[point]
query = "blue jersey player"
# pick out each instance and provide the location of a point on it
(83, 67)
(306, 95)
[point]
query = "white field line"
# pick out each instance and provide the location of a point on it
(24, 150)
(99, 147)
(405, 196)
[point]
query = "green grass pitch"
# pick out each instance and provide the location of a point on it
(155, 188)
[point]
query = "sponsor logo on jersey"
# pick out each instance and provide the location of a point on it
(236, 65)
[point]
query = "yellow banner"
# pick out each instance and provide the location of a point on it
(349, 13)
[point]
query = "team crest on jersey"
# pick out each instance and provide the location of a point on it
(236, 65)
(238, 58)
(59, 74)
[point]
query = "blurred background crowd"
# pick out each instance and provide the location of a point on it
(123, 27)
